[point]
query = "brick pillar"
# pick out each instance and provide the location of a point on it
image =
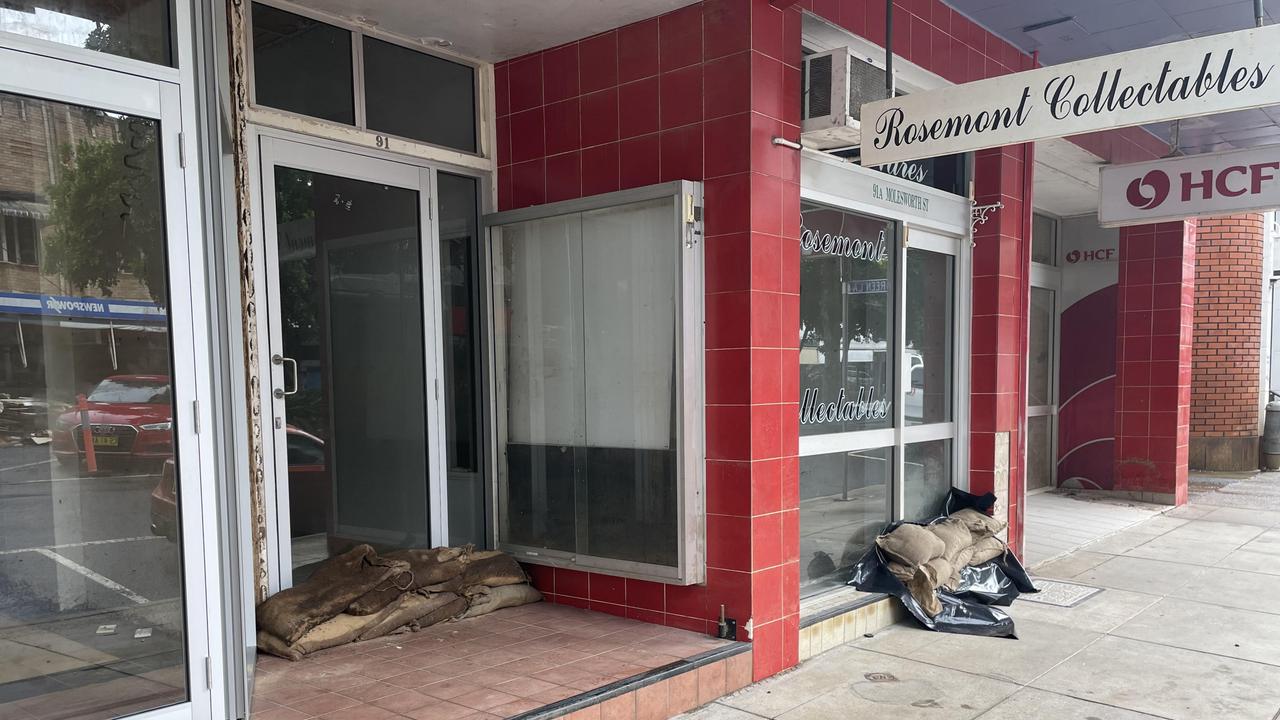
(1001, 267)
(1225, 360)
(1153, 364)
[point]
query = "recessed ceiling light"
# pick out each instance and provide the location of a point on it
(365, 21)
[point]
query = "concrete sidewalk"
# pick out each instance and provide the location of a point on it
(1186, 625)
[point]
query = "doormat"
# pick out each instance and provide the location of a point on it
(1060, 594)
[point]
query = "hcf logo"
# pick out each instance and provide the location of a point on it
(1152, 189)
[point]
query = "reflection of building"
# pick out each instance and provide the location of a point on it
(41, 314)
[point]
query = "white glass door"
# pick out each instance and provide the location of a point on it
(354, 354)
(104, 581)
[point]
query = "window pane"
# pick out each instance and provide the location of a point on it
(90, 537)
(459, 214)
(928, 357)
(1039, 452)
(1044, 230)
(928, 479)
(846, 321)
(351, 317)
(440, 109)
(844, 504)
(1040, 348)
(586, 344)
(302, 65)
(137, 29)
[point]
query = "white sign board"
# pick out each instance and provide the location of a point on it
(1203, 76)
(1180, 187)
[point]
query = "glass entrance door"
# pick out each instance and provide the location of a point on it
(103, 602)
(354, 354)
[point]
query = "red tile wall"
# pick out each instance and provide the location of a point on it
(695, 94)
(1228, 325)
(1155, 303)
(1001, 272)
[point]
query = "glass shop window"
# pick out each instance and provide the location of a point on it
(847, 286)
(136, 29)
(599, 444)
(877, 384)
(305, 66)
(1044, 239)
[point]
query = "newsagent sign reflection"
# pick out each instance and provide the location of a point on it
(1202, 76)
(1181, 187)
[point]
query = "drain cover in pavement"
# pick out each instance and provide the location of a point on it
(1060, 594)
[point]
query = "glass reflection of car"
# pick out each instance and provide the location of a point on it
(308, 509)
(130, 423)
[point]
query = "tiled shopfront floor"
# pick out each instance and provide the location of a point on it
(500, 665)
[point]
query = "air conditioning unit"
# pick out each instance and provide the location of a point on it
(836, 84)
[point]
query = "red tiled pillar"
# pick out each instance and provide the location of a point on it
(1001, 267)
(695, 94)
(1156, 307)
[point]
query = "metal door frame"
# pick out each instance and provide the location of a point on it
(60, 74)
(276, 150)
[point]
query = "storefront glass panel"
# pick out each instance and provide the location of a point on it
(91, 573)
(847, 287)
(459, 218)
(352, 325)
(302, 65)
(1040, 348)
(137, 29)
(1044, 239)
(845, 501)
(1039, 452)
(586, 350)
(441, 108)
(929, 330)
(927, 479)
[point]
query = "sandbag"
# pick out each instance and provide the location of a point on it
(955, 537)
(924, 591)
(273, 645)
(490, 568)
(980, 524)
(485, 599)
(338, 582)
(911, 545)
(986, 550)
(414, 608)
(900, 571)
(426, 567)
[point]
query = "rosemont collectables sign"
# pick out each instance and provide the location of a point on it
(1180, 187)
(1203, 76)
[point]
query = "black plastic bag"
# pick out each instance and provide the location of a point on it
(970, 608)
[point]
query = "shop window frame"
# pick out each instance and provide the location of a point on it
(341, 131)
(689, 378)
(823, 184)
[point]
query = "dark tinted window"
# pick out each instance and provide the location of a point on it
(419, 96)
(302, 65)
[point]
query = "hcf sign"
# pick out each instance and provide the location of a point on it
(1181, 187)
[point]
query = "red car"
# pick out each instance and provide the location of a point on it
(309, 496)
(130, 423)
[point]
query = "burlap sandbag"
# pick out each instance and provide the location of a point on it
(955, 537)
(911, 545)
(269, 643)
(900, 571)
(414, 608)
(980, 525)
(924, 591)
(490, 568)
(291, 613)
(426, 567)
(986, 550)
(485, 600)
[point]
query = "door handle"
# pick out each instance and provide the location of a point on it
(278, 359)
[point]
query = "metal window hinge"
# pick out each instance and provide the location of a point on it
(208, 674)
(182, 149)
(195, 415)
(437, 388)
